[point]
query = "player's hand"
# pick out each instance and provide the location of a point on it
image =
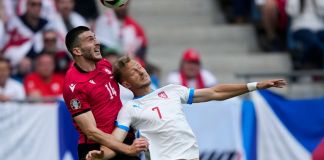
(139, 145)
(277, 83)
(95, 155)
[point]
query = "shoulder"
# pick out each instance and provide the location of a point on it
(31, 76)
(172, 87)
(13, 83)
(128, 106)
(104, 62)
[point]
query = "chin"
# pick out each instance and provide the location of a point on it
(146, 84)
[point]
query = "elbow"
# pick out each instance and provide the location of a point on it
(91, 133)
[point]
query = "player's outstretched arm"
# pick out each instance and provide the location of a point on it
(226, 91)
(87, 124)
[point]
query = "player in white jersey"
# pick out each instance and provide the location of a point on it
(157, 114)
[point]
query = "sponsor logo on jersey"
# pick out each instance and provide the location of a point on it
(75, 104)
(137, 106)
(72, 86)
(163, 95)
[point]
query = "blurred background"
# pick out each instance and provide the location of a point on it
(195, 43)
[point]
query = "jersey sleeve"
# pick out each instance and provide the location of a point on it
(124, 118)
(76, 100)
(186, 94)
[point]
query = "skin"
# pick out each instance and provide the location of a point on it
(136, 79)
(191, 69)
(4, 75)
(45, 67)
(50, 41)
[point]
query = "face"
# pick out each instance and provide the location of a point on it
(190, 69)
(134, 76)
(25, 66)
(89, 46)
(45, 66)
(65, 7)
(50, 41)
(4, 72)
(34, 8)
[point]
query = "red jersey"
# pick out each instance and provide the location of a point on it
(95, 91)
(34, 84)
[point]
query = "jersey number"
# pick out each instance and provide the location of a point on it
(111, 90)
(157, 109)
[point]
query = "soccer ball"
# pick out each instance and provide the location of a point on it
(113, 3)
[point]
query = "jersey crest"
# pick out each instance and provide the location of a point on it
(163, 95)
(75, 104)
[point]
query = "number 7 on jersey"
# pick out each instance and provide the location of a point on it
(157, 109)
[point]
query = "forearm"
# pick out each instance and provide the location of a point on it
(108, 141)
(108, 153)
(226, 91)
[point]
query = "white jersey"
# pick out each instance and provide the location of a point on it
(158, 116)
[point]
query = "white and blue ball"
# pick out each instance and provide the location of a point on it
(113, 3)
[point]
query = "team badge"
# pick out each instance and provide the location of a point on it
(75, 104)
(163, 95)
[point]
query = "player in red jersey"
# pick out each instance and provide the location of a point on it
(92, 96)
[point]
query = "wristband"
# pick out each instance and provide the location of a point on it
(252, 86)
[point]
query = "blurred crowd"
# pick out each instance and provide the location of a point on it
(34, 59)
(296, 26)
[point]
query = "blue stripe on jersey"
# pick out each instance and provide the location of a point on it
(138, 134)
(125, 128)
(191, 94)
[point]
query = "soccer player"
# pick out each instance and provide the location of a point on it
(157, 115)
(92, 96)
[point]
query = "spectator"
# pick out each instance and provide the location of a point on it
(273, 23)
(9, 88)
(48, 8)
(118, 30)
(3, 19)
(25, 33)
(66, 19)
(190, 73)
(44, 83)
(308, 28)
(62, 59)
(241, 10)
(24, 68)
(8, 8)
(2, 33)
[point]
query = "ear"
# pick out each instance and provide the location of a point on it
(76, 51)
(126, 84)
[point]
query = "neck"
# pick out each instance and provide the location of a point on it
(86, 65)
(142, 91)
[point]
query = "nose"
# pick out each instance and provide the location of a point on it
(97, 41)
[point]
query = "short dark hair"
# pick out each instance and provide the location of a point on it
(72, 37)
(118, 66)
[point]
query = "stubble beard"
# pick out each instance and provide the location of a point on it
(89, 56)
